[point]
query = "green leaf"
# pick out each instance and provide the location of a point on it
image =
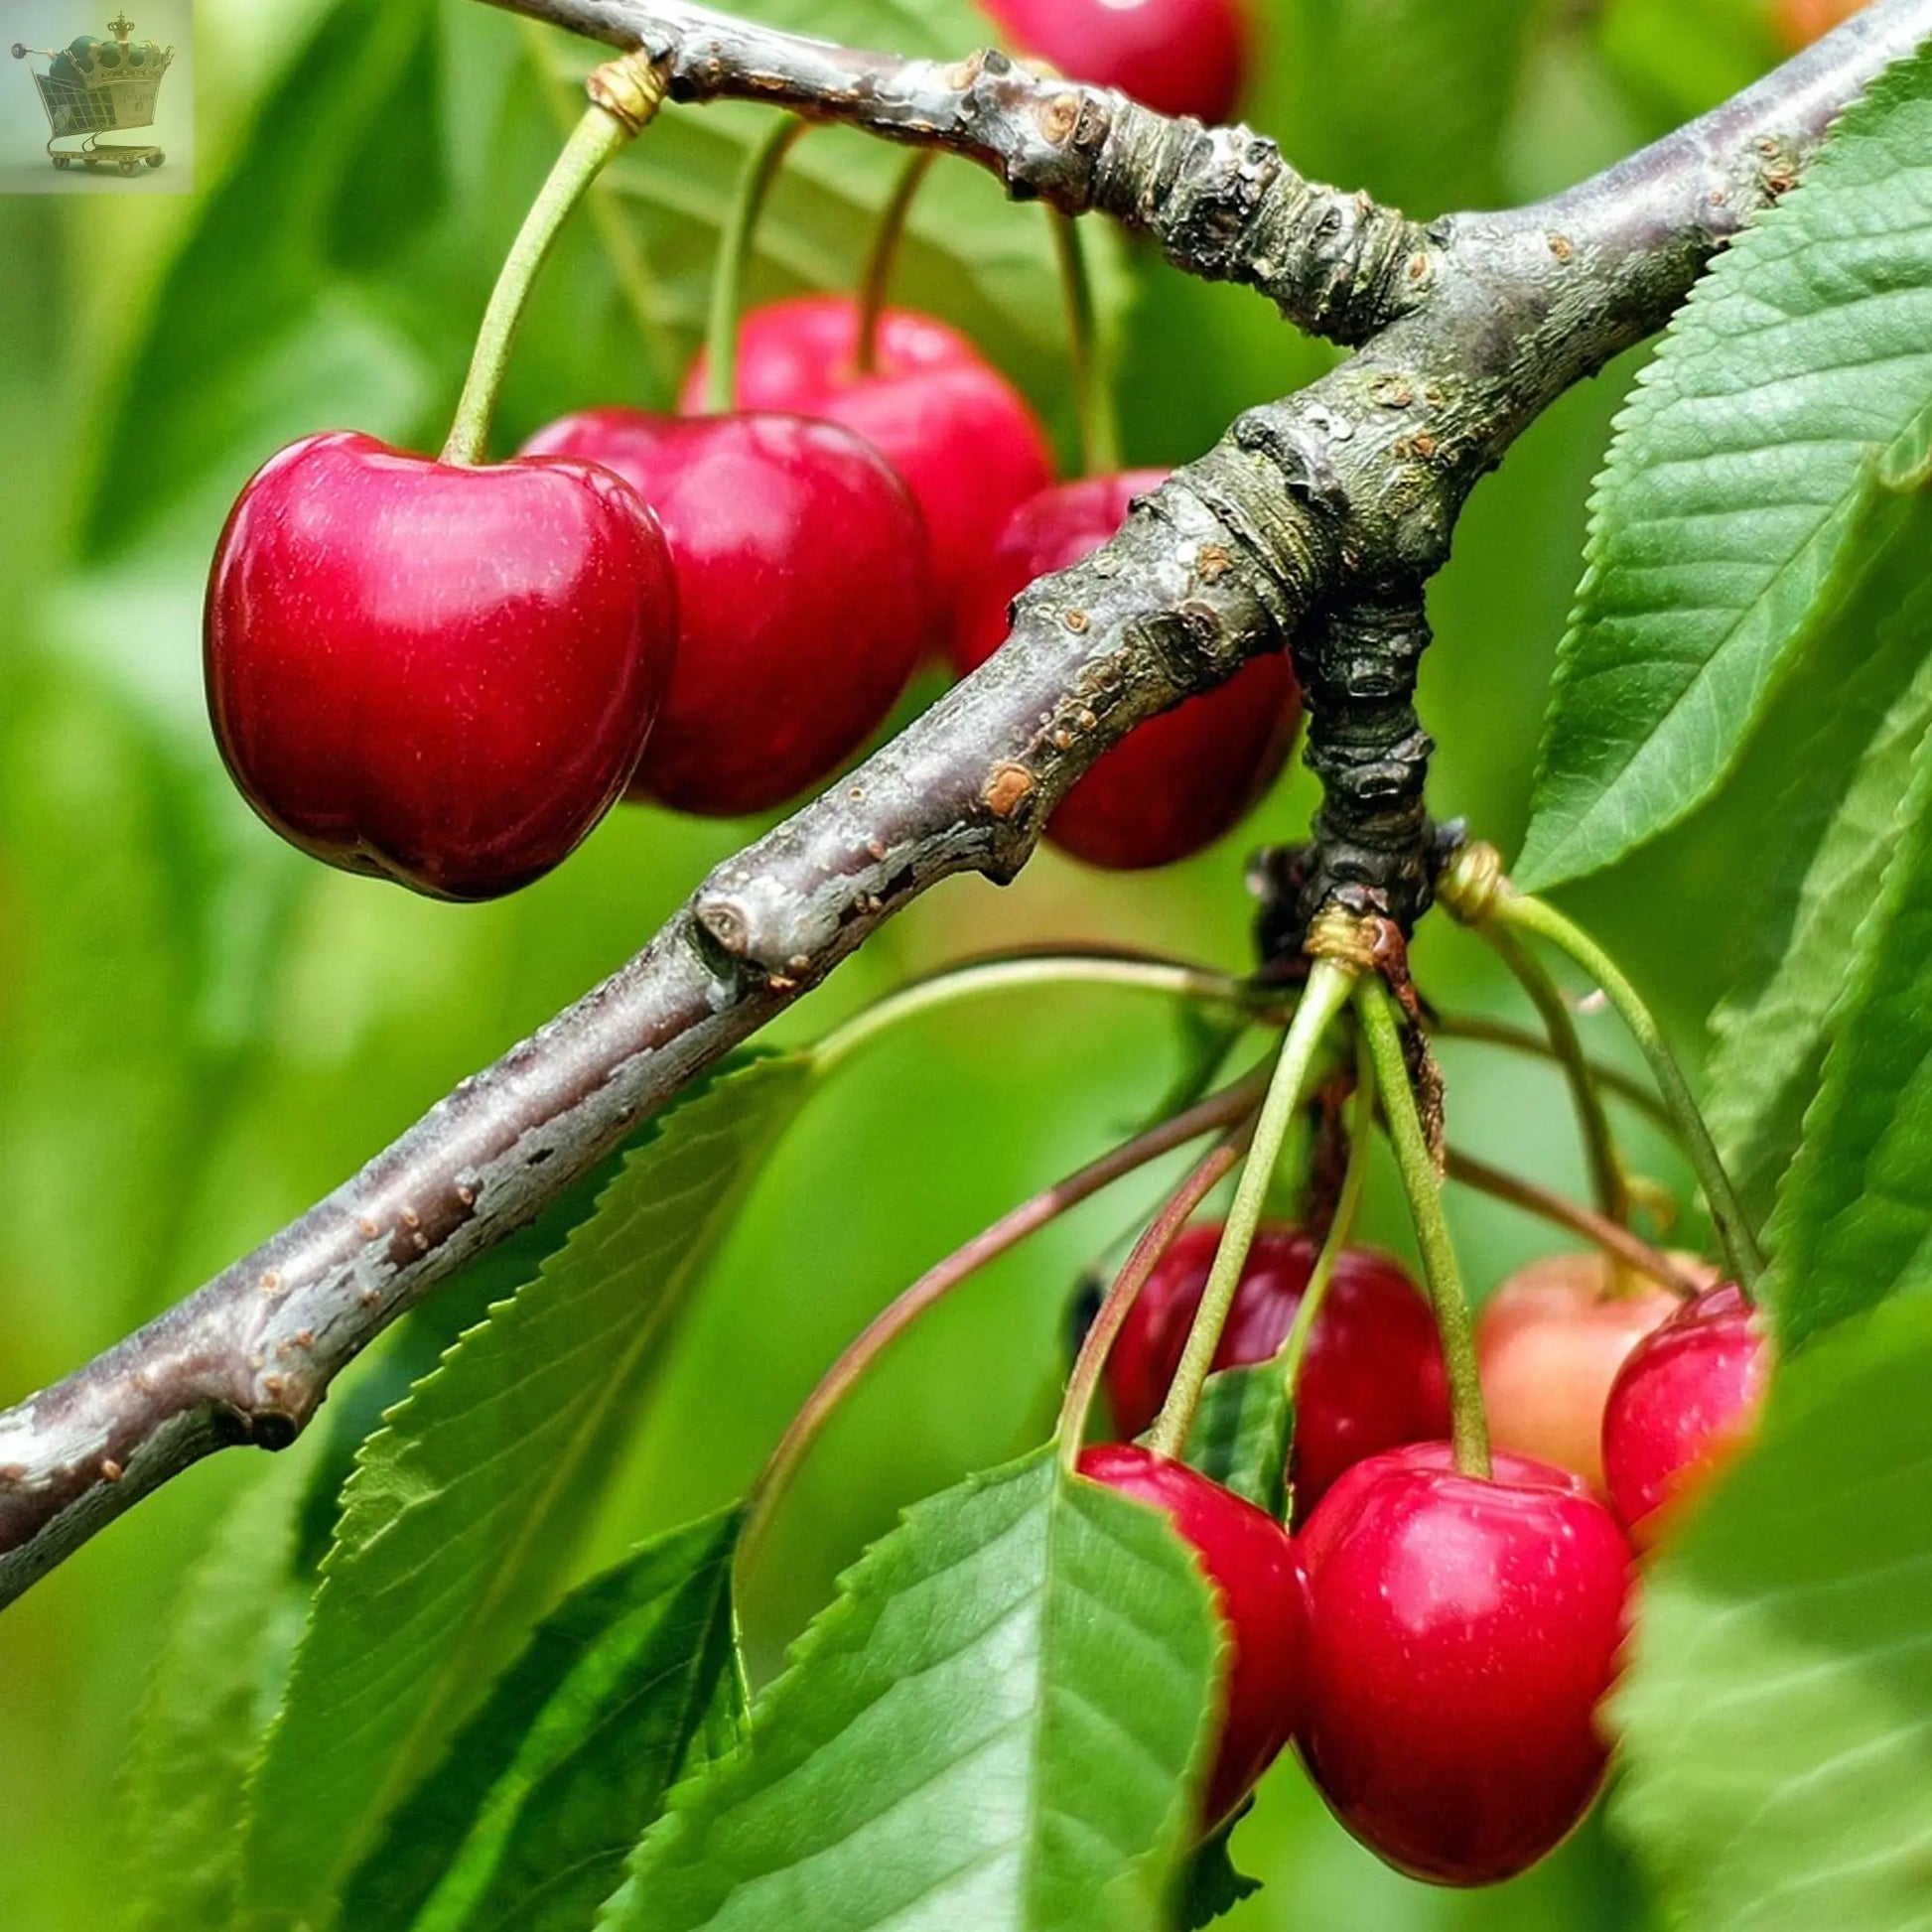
(1855, 717)
(1739, 485)
(1214, 1885)
(216, 1678)
(416, 1346)
(992, 1726)
(464, 1511)
(524, 1825)
(1241, 1433)
(1777, 1719)
(1855, 1218)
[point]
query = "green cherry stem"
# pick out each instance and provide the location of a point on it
(1173, 978)
(875, 285)
(1341, 1227)
(623, 247)
(1330, 982)
(1218, 1111)
(1215, 1166)
(1609, 1177)
(1093, 395)
(761, 169)
(625, 95)
(1520, 912)
(1424, 1187)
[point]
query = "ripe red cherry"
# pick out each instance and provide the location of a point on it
(958, 433)
(439, 674)
(792, 354)
(1550, 1342)
(1683, 1405)
(1251, 1562)
(1462, 1634)
(1373, 1374)
(1182, 57)
(1179, 782)
(803, 589)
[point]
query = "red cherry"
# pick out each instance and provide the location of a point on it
(1179, 782)
(803, 588)
(792, 354)
(962, 435)
(1372, 1377)
(440, 674)
(1251, 1562)
(1550, 1342)
(1182, 57)
(1462, 1634)
(1683, 1405)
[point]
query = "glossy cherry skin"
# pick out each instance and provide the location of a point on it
(803, 589)
(792, 354)
(1462, 1634)
(1183, 57)
(1179, 782)
(1373, 1374)
(1251, 1562)
(1550, 1342)
(962, 435)
(1683, 1405)
(438, 674)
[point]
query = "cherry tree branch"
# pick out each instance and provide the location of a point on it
(1220, 201)
(1313, 525)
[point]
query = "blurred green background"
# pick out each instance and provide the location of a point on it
(201, 1032)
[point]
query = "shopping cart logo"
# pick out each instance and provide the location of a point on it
(93, 88)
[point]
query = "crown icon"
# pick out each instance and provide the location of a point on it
(90, 87)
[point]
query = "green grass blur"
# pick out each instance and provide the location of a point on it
(200, 1032)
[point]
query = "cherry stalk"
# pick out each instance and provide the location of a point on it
(1424, 1187)
(1329, 984)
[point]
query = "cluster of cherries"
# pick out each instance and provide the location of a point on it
(1437, 1644)
(446, 672)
